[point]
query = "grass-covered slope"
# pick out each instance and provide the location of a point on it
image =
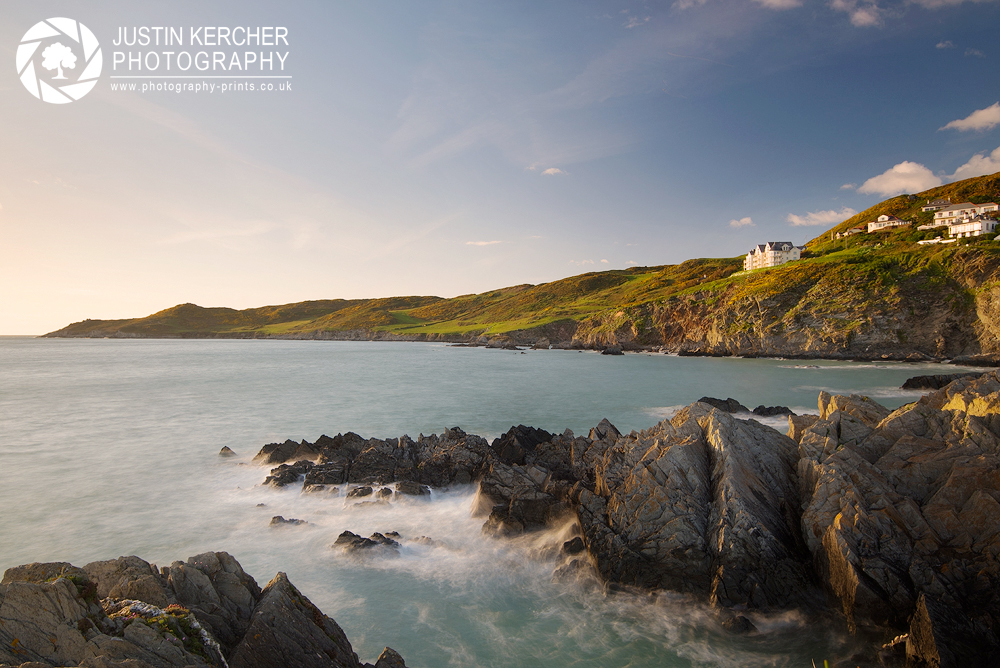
(869, 295)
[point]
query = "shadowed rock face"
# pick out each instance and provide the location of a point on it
(892, 513)
(112, 614)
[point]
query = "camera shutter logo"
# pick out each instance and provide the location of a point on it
(59, 60)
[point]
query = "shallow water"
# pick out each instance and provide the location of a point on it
(109, 447)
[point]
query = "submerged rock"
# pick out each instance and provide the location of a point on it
(226, 451)
(278, 521)
(936, 382)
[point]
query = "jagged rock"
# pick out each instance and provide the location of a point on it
(738, 625)
(286, 629)
(226, 451)
(288, 474)
(278, 521)
(729, 405)
(517, 442)
(936, 382)
(128, 577)
(769, 411)
(574, 546)
(359, 492)
(390, 658)
(412, 488)
(605, 431)
(612, 350)
(868, 411)
(352, 542)
(279, 453)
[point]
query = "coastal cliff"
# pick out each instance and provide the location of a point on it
(879, 295)
(884, 518)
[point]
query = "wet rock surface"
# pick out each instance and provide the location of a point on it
(126, 613)
(888, 517)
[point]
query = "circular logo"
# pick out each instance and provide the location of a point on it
(59, 60)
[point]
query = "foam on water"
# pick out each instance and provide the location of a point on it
(109, 448)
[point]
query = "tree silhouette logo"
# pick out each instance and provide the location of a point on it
(59, 60)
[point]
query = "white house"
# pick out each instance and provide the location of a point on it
(885, 222)
(936, 204)
(850, 232)
(972, 227)
(955, 212)
(772, 254)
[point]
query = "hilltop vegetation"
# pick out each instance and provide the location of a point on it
(871, 295)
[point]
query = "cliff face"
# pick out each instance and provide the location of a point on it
(870, 309)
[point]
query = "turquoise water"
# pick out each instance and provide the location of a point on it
(109, 447)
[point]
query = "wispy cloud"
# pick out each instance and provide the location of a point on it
(552, 171)
(978, 165)
(579, 263)
(828, 217)
(981, 119)
(633, 262)
(604, 262)
(976, 53)
(635, 22)
(945, 44)
(849, 186)
(862, 15)
(482, 243)
(780, 4)
(742, 222)
(906, 177)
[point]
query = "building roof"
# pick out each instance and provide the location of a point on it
(962, 205)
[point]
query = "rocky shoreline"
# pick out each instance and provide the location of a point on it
(127, 613)
(887, 519)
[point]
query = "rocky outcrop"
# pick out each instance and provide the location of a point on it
(936, 382)
(126, 613)
(891, 513)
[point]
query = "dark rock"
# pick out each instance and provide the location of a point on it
(352, 542)
(359, 492)
(327, 472)
(226, 451)
(278, 521)
(729, 405)
(936, 382)
(288, 474)
(384, 493)
(286, 629)
(513, 446)
(612, 350)
(738, 625)
(605, 431)
(412, 488)
(769, 411)
(574, 546)
(279, 453)
(989, 360)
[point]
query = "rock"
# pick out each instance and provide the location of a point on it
(768, 411)
(605, 431)
(384, 493)
(517, 442)
(288, 474)
(738, 625)
(278, 521)
(936, 382)
(612, 350)
(868, 411)
(226, 451)
(729, 405)
(352, 542)
(541, 344)
(574, 546)
(389, 658)
(359, 492)
(286, 629)
(409, 488)
(279, 453)
(128, 577)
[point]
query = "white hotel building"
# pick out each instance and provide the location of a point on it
(950, 215)
(771, 254)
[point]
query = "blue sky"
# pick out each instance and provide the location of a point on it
(447, 148)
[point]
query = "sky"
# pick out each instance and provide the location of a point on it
(446, 148)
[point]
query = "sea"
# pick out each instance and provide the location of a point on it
(110, 447)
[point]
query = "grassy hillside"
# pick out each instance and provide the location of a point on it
(879, 289)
